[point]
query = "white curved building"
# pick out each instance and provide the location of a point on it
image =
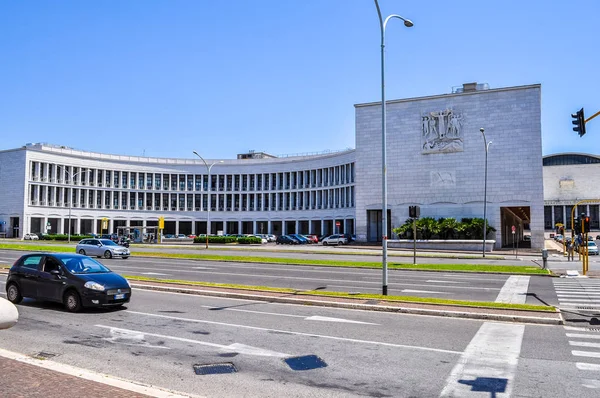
(255, 193)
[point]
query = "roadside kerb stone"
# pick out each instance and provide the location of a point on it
(522, 316)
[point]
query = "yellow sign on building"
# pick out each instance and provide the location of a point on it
(161, 222)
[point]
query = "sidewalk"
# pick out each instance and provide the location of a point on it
(27, 377)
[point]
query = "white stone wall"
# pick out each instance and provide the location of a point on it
(12, 187)
(570, 183)
(511, 118)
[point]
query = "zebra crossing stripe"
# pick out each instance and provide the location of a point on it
(583, 336)
(584, 344)
(588, 366)
(588, 354)
(590, 383)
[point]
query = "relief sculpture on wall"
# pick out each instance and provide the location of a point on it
(442, 132)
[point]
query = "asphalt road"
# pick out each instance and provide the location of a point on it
(159, 338)
(459, 286)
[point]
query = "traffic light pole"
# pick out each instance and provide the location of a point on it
(591, 117)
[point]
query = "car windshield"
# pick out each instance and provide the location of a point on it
(591, 244)
(108, 242)
(83, 265)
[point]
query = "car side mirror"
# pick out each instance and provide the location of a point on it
(55, 272)
(99, 245)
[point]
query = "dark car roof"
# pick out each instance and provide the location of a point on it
(57, 255)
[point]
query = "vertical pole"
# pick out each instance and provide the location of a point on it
(69, 229)
(384, 219)
(485, 196)
(209, 205)
(414, 240)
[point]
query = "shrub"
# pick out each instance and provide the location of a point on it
(247, 240)
(444, 228)
(215, 239)
(62, 237)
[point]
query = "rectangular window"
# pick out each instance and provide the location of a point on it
(32, 262)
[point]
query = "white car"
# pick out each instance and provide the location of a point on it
(592, 249)
(30, 237)
(335, 240)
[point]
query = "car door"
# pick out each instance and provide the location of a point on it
(49, 286)
(27, 275)
(94, 249)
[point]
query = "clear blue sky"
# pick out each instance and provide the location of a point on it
(222, 77)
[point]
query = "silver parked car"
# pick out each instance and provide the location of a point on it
(101, 248)
(335, 240)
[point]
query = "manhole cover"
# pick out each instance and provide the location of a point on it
(306, 362)
(43, 355)
(215, 368)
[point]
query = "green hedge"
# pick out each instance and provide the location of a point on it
(245, 240)
(215, 239)
(248, 240)
(64, 237)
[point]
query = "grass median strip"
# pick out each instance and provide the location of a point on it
(405, 299)
(507, 269)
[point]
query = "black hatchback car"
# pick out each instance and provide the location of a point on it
(72, 279)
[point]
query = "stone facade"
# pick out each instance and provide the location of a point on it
(451, 184)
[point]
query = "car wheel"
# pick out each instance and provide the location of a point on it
(82, 252)
(324, 243)
(107, 254)
(72, 301)
(13, 293)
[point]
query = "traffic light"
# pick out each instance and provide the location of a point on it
(579, 122)
(414, 211)
(586, 224)
(577, 226)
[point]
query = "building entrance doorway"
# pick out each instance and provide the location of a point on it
(518, 217)
(374, 225)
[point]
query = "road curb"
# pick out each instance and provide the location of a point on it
(359, 306)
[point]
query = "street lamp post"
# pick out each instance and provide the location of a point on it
(384, 219)
(71, 177)
(487, 146)
(209, 193)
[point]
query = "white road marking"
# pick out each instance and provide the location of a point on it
(590, 383)
(584, 344)
(328, 319)
(310, 318)
(121, 336)
(576, 294)
(589, 354)
(493, 353)
(578, 305)
(422, 291)
(297, 333)
(153, 273)
(514, 290)
(588, 366)
(93, 376)
(578, 299)
(576, 328)
(239, 348)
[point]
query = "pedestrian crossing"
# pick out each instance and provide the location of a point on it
(582, 295)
